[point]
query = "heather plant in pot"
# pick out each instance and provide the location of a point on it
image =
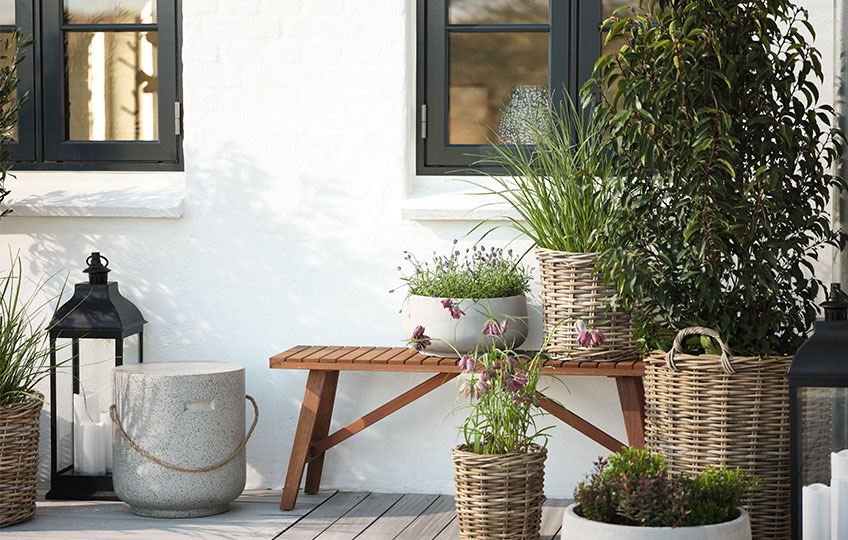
(632, 496)
(723, 159)
(561, 189)
(452, 296)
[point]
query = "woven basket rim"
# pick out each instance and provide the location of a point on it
(533, 449)
(555, 252)
(31, 401)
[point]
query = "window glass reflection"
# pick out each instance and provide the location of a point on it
(498, 12)
(110, 11)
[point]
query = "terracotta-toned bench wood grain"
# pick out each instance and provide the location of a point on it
(312, 438)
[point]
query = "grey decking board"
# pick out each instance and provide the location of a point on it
(431, 522)
(552, 518)
(398, 517)
(317, 521)
(358, 518)
(450, 532)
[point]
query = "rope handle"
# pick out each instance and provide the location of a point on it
(677, 347)
(154, 459)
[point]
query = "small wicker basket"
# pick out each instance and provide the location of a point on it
(706, 410)
(18, 460)
(499, 495)
(571, 289)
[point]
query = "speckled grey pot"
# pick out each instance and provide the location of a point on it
(189, 414)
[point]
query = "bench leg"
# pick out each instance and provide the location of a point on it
(322, 428)
(316, 389)
(631, 394)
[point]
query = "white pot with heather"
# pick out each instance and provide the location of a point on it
(456, 298)
(632, 497)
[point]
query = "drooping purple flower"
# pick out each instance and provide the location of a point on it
(513, 361)
(481, 387)
(492, 328)
(598, 338)
(421, 341)
(467, 363)
(517, 382)
(455, 312)
(580, 326)
(584, 337)
(447, 303)
(467, 390)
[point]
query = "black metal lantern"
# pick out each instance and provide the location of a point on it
(818, 401)
(96, 329)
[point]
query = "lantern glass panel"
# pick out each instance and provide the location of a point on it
(64, 405)
(132, 350)
(824, 429)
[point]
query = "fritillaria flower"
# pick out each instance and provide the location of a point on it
(492, 328)
(421, 341)
(455, 312)
(447, 303)
(467, 363)
(598, 338)
(481, 387)
(517, 382)
(588, 338)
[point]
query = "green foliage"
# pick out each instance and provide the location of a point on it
(475, 273)
(24, 331)
(560, 186)
(723, 159)
(11, 56)
(719, 492)
(634, 488)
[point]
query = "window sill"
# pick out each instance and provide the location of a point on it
(96, 194)
(438, 202)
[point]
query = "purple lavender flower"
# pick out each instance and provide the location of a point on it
(421, 341)
(467, 363)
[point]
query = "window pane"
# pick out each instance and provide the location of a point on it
(490, 71)
(4, 62)
(110, 11)
(498, 12)
(112, 86)
(7, 11)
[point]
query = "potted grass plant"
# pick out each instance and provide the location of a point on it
(723, 157)
(24, 352)
(452, 297)
(632, 496)
(560, 187)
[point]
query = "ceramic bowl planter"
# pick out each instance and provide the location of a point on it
(18, 460)
(580, 528)
(465, 333)
(499, 495)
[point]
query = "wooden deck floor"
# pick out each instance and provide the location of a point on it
(328, 515)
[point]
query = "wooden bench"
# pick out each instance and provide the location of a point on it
(312, 438)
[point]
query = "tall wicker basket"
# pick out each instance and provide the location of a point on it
(18, 460)
(571, 289)
(499, 496)
(709, 409)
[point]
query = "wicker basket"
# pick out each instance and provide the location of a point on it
(18, 460)
(705, 409)
(572, 290)
(501, 495)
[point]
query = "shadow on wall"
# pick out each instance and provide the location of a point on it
(259, 262)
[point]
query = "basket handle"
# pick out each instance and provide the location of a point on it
(677, 347)
(117, 424)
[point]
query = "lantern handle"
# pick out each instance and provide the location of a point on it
(677, 347)
(88, 259)
(151, 457)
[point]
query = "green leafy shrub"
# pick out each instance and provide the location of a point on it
(474, 273)
(723, 155)
(635, 488)
(10, 102)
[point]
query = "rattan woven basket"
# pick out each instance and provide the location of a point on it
(499, 495)
(571, 289)
(707, 409)
(18, 460)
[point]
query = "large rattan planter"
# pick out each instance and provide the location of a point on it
(707, 409)
(499, 496)
(572, 290)
(18, 460)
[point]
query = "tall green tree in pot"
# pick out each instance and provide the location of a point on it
(723, 155)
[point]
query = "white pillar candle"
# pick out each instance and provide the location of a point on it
(815, 504)
(839, 495)
(106, 421)
(86, 409)
(93, 449)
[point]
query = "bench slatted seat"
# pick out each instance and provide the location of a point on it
(324, 363)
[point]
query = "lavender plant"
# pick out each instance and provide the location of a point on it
(634, 488)
(474, 273)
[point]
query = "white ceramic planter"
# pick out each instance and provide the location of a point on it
(584, 529)
(465, 333)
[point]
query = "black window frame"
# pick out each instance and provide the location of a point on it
(42, 143)
(574, 46)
